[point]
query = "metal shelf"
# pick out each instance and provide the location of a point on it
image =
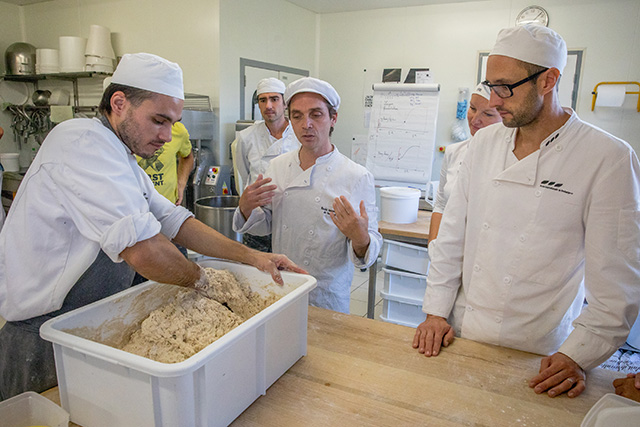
(56, 76)
(72, 77)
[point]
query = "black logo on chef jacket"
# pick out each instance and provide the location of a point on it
(327, 211)
(555, 186)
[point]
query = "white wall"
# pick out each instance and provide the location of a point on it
(272, 31)
(447, 38)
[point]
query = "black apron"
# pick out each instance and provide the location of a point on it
(26, 360)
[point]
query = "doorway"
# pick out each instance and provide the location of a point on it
(251, 72)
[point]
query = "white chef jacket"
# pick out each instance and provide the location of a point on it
(451, 162)
(83, 192)
(301, 225)
(255, 147)
(541, 234)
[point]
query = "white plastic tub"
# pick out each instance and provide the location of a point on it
(406, 257)
(101, 385)
(401, 310)
(31, 409)
(403, 284)
(399, 205)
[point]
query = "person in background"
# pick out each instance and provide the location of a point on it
(628, 387)
(85, 205)
(309, 205)
(544, 212)
(169, 167)
(479, 115)
(260, 143)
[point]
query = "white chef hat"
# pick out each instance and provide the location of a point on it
(310, 84)
(150, 72)
(270, 85)
(482, 90)
(532, 43)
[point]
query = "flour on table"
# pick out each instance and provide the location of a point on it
(180, 329)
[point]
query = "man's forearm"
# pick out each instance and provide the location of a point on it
(203, 239)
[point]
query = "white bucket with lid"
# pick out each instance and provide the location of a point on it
(399, 204)
(10, 161)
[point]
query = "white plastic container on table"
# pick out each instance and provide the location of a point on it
(101, 385)
(31, 409)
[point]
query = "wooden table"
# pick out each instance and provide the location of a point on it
(416, 233)
(364, 372)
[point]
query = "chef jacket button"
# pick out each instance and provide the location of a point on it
(558, 147)
(468, 308)
(284, 227)
(306, 262)
(476, 267)
(306, 182)
(485, 226)
(317, 199)
(507, 280)
(311, 232)
(538, 193)
(286, 193)
(329, 168)
(523, 238)
(498, 320)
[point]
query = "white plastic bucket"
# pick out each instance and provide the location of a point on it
(399, 204)
(10, 161)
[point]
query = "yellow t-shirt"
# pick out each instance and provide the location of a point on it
(162, 167)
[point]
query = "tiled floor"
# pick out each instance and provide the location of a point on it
(359, 292)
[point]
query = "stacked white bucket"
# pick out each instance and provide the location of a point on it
(406, 265)
(72, 53)
(47, 61)
(99, 54)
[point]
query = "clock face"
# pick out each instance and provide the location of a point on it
(533, 15)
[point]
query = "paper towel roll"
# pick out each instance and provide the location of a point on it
(610, 95)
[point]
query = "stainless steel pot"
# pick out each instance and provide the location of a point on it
(217, 213)
(20, 59)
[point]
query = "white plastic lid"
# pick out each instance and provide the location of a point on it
(400, 192)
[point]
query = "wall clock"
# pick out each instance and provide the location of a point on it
(533, 15)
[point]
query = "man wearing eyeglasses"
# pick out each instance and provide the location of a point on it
(545, 213)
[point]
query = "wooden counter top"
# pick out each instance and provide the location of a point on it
(364, 372)
(416, 230)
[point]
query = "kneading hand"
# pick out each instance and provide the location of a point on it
(255, 195)
(559, 374)
(273, 263)
(432, 334)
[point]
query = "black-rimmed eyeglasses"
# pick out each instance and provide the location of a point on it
(506, 91)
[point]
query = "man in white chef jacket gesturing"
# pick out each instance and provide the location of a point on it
(260, 143)
(318, 204)
(545, 212)
(85, 206)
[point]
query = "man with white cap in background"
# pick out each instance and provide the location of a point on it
(479, 115)
(84, 206)
(257, 145)
(319, 205)
(544, 213)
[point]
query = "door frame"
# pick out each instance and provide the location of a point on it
(244, 62)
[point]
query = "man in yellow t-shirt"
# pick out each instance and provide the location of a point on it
(168, 176)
